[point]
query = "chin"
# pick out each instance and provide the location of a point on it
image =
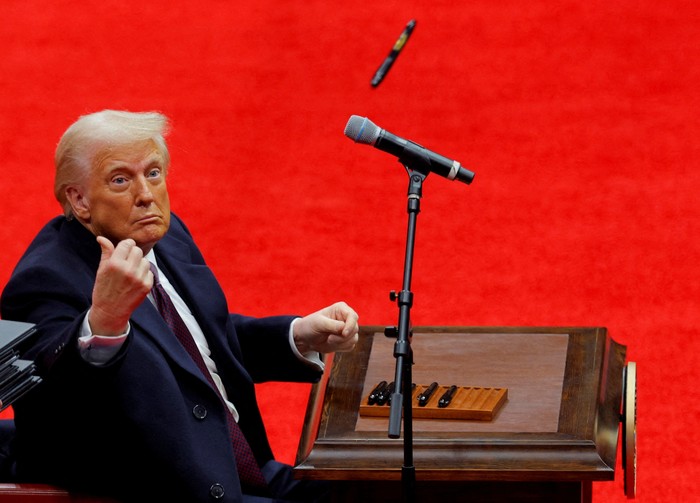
(147, 239)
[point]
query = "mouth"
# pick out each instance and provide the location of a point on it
(149, 219)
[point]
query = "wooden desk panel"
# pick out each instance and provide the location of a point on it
(558, 430)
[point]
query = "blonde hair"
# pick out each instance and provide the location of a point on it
(93, 133)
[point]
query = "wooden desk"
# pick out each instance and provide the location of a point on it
(556, 434)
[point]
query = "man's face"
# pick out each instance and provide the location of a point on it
(125, 195)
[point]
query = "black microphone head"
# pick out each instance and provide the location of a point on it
(362, 130)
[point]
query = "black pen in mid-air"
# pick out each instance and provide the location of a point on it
(395, 51)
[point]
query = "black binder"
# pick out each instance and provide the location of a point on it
(16, 374)
(12, 335)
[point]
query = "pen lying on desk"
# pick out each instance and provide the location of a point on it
(425, 396)
(385, 394)
(446, 397)
(374, 395)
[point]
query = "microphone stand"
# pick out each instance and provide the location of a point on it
(401, 398)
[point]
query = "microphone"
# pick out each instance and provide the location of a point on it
(410, 154)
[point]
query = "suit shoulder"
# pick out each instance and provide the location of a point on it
(178, 226)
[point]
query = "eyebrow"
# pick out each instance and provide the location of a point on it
(153, 159)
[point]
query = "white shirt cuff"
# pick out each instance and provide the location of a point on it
(99, 349)
(312, 358)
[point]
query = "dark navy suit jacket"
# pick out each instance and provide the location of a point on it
(147, 426)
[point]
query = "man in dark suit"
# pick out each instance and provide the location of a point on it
(123, 409)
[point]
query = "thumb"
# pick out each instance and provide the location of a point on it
(106, 246)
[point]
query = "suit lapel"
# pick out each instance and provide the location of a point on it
(149, 323)
(198, 287)
(202, 293)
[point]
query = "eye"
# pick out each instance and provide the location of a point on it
(154, 173)
(119, 180)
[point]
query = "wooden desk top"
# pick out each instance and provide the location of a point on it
(531, 367)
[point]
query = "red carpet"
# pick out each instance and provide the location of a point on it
(580, 120)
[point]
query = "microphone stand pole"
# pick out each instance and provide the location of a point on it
(401, 399)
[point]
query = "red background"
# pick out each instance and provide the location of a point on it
(579, 118)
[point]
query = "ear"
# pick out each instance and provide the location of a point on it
(79, 202)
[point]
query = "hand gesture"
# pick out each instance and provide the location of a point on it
(123, 280)
(332, 329)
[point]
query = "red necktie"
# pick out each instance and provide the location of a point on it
(248, 468)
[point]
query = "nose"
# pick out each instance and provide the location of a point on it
(142, 190)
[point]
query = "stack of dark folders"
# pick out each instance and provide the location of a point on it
(16, 373)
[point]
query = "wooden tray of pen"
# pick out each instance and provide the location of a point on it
(440, 402)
